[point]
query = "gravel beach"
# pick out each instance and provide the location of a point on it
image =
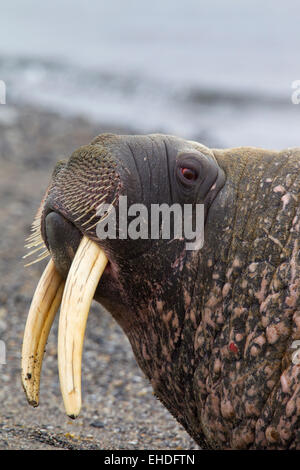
(119, 410)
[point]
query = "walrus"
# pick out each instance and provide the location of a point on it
(216, 329)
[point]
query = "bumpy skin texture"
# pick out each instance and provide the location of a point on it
(212, 329)
(245, 384)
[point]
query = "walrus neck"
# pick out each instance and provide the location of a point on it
(154, 322)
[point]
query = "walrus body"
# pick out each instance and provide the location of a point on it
(213, 329)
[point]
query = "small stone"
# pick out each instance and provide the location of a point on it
(97, 424)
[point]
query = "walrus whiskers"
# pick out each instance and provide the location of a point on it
(42, 256)
(35, 240)
(90, 209)
(33, 251)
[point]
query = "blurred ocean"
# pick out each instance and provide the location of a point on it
(221, 70)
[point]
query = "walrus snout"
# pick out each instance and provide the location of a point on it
(62, 239)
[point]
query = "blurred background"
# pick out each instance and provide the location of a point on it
(216, 70)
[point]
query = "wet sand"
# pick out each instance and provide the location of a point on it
(119, 410)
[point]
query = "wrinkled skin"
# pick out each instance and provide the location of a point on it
(212, 329)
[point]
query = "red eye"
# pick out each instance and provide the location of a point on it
(189, 173)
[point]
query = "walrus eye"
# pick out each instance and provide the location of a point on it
(189, 173)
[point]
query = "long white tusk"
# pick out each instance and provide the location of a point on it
(84, 275)
(44, 305)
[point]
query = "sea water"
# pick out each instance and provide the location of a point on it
(220, 71)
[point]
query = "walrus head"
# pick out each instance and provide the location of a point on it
(212, 328)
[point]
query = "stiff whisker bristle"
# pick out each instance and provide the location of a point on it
(92, 226)
(34, 243)
(90, 219)
(43, 256)
(83, 215)
(90, 209)
(35, 240)
(104, 216)
(33, 251)
(79, 201)
(100, 220)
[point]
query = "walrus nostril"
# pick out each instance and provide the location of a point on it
(63, 239)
